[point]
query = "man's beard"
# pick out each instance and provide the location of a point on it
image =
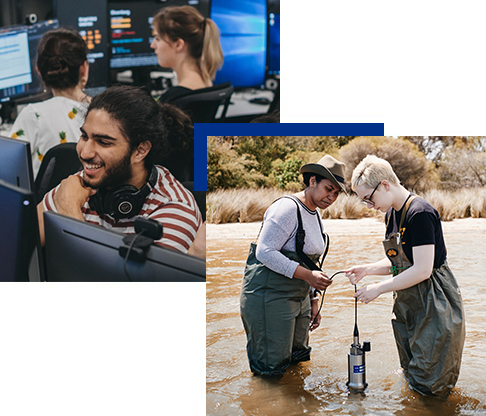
(116, 175)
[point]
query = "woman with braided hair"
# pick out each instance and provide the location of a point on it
(63, 67)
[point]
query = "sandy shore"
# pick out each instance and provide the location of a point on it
(364, 226)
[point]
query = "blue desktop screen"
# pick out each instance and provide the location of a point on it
(243, 28)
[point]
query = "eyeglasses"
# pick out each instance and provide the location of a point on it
(368, 201)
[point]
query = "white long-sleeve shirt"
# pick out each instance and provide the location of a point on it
(279, 232)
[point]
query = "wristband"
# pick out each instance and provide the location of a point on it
(314, 298)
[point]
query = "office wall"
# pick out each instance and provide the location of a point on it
(14, 11)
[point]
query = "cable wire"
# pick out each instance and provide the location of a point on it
(128, 254)
(322, 298)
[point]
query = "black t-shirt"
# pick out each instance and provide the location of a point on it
(421, 227)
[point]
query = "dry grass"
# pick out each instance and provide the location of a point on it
(349, 208)
(464, 203)
(249, 205)
(239, 205)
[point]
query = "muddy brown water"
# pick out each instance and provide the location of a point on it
(318, 387)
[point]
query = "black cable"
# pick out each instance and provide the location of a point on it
(128, 254)
(322, 298)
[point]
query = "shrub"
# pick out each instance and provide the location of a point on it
(414, 171)
(227, 169)
(286, 172)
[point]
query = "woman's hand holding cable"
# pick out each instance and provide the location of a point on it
(316, 278)
(356, 273)
(319, 280)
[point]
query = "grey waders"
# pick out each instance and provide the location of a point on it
(428, 325)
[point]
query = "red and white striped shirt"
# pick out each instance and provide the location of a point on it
(169, 203)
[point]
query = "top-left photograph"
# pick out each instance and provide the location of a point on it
(98, 105)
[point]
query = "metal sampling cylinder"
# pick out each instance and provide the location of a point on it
(356, 364)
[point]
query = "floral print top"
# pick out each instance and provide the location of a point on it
(47, 124)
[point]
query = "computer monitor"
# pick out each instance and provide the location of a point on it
(243, 28)
(18, 54)
(19, 232)
(131, 30)
(90, 19)
(131, 34)
(14, 48)
(16, 170)
(16, 163)
(273, 58)
(77, 251)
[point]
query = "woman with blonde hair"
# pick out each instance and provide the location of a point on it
(428, 321)
(188, 43)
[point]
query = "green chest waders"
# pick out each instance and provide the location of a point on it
(428, 323)
(276, 313)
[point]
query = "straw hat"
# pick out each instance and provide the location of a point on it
(328, 167)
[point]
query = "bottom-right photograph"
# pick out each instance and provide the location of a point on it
(344, 275)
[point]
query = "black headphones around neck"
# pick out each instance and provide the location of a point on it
(125, 201)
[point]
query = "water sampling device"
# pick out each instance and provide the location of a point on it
(356, 358)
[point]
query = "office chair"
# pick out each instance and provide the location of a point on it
(202, 105)
(199, 196)
(58, 163)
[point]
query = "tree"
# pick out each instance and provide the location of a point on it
(463, 167)
(435, 147)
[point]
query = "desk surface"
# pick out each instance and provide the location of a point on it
(241, 105)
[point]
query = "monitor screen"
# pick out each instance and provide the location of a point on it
(16, 163)
(273, 60)
(131, 30)
(131, 34)
(243, 28)
(90, 19)
(18, 52)
(77, 251)
(18, 222)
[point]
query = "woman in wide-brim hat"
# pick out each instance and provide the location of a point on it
(279, 302)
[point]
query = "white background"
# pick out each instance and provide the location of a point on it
(417, 66)
(102, 349)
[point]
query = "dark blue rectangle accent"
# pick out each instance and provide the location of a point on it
(203, 130)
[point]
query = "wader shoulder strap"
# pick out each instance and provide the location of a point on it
(404, 212)
(405, 209)
(300, 237)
